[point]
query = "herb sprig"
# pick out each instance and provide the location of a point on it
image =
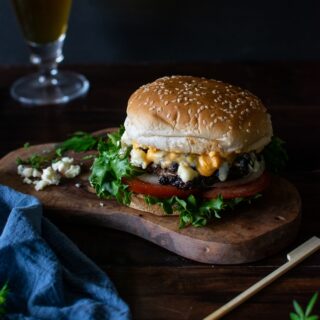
(300, 314)
(78, 142)
(36, 161)
(4, 291)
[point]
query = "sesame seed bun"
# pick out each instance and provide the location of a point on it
(195, 115)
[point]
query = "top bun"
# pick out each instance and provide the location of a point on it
(187, 114)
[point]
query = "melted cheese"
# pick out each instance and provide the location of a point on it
(206, 164)
(138, 158)
(154, 155)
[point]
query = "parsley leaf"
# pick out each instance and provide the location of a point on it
(275, 155)
(36, 161)
(80, 141)
(110, 167)
(4, 291)
(299, 314)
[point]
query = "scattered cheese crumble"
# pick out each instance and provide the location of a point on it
(66, 168)
(50, 175)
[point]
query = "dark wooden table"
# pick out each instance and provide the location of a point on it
(158, 284)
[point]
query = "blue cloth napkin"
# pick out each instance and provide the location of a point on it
(48, 276)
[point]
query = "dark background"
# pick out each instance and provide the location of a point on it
(168, 30)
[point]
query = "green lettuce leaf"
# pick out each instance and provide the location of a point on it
(197, 212)
(275, 155)
(110, 167)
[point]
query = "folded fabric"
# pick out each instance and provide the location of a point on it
(48, 276)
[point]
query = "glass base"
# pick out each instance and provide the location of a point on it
(62, 87)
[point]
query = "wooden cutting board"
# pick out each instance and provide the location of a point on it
(246, 234)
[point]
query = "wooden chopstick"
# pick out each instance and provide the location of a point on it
(294, 257)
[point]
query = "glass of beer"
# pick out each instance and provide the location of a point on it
(44, 25)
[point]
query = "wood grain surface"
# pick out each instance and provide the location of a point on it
(248, 233)
(157, 283)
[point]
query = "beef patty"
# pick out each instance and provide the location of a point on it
(168, 176)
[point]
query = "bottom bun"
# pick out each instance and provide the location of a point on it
(138, 202)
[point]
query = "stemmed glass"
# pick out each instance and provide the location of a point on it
(44, 24)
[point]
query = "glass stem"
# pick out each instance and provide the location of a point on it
(47, 74)
(46, 57)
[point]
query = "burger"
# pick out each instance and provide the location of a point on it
(190, 147)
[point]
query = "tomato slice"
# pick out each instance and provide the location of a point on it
(157, 190)
(167, 191)
(245, 190)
